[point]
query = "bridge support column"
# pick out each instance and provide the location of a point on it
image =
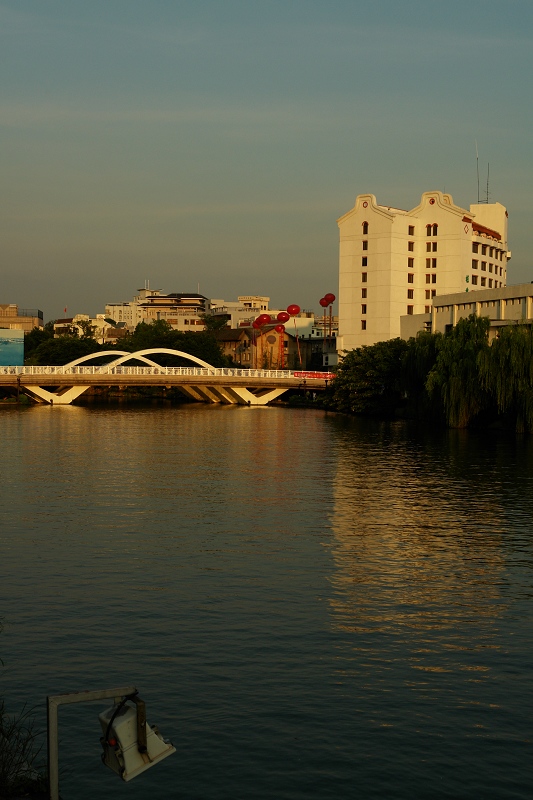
(63, 397)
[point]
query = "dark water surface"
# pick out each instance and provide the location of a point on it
(312, 606)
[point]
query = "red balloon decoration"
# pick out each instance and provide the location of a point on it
(330, 298)
(293, 309)
(283, 317)
(280, 328)
(324, 302)
(264, 319)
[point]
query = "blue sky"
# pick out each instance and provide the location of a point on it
(217, 141)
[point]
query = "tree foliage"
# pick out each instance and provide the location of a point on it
(159, 333)
(506, 371)
(369, 379)
(455, 375)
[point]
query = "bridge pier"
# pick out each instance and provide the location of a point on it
(63, 397)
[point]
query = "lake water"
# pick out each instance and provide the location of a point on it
(312, 606)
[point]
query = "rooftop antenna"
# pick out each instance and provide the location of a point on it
(488, 173)
(477, 168)
(198, 288)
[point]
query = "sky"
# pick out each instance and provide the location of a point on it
(215, 143)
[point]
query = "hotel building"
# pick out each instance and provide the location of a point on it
(394, 262)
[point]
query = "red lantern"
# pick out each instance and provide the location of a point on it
(293, 309)
(283, 317)
(330, 298)
(264, 319)
(324, 302)
(256, 325)
(280, 328)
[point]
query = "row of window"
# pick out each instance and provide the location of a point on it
(431, 230)
(497, 270)
(487, 250)
(486, 282)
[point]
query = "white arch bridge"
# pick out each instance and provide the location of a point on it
(201, 382)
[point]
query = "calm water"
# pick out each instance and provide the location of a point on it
(312, 606)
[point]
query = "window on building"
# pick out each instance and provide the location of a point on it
(363, 308)
(433, 278)
(491, 252)
(410, 294)
(434, 263)
(365, 228)
(410, 309)
(490, 267)
(411, 263)
(428, 294)
(363, 277)
(484, 266)
(428, 278)
(490, 283)
(411, 230)
(428, 247)
(475, 247)
(435, 229)
(428, 263)
(434, 246)
(483, 281)
(428, 230)
(433, 292)
(364, 261)
(363, 324)
(365, 245)
(363, 293)
(410, 277)
(474, 280)
(411, 246)
(474, 263)
(428, 308)
(483, 249)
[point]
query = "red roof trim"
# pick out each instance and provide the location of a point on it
(488, 231)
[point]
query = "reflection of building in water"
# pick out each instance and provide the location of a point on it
(417, 548)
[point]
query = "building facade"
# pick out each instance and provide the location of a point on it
(182, 311)
(20, 319)
(506, 305)
(393, 262)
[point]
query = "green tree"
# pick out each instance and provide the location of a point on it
(419, 359)
(455, 377)
(159, 333)
(214, 323)
(369, 379)
(55, 352)
(37, 336)
(506, 372)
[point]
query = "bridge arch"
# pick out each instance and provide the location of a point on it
(140, 354)
(90, 356)
(124, 356)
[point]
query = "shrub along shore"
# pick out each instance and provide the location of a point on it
(458, 379)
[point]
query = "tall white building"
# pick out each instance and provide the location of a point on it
(393, 262)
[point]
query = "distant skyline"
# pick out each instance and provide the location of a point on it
(217, 142)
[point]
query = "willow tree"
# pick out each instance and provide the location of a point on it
(455, 375)
(506, 371)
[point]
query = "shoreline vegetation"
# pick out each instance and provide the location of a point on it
(458, 379)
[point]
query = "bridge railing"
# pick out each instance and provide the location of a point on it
(122, 370)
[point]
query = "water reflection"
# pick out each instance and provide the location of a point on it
(421, 526)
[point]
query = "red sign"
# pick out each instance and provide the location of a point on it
(325, 376)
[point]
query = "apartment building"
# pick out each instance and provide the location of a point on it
(393, 262)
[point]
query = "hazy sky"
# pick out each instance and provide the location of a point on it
(217, 141)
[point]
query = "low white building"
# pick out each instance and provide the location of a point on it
(393, 262)
(181, 310)
(506, 305)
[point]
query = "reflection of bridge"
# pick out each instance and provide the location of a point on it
(203, 382)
